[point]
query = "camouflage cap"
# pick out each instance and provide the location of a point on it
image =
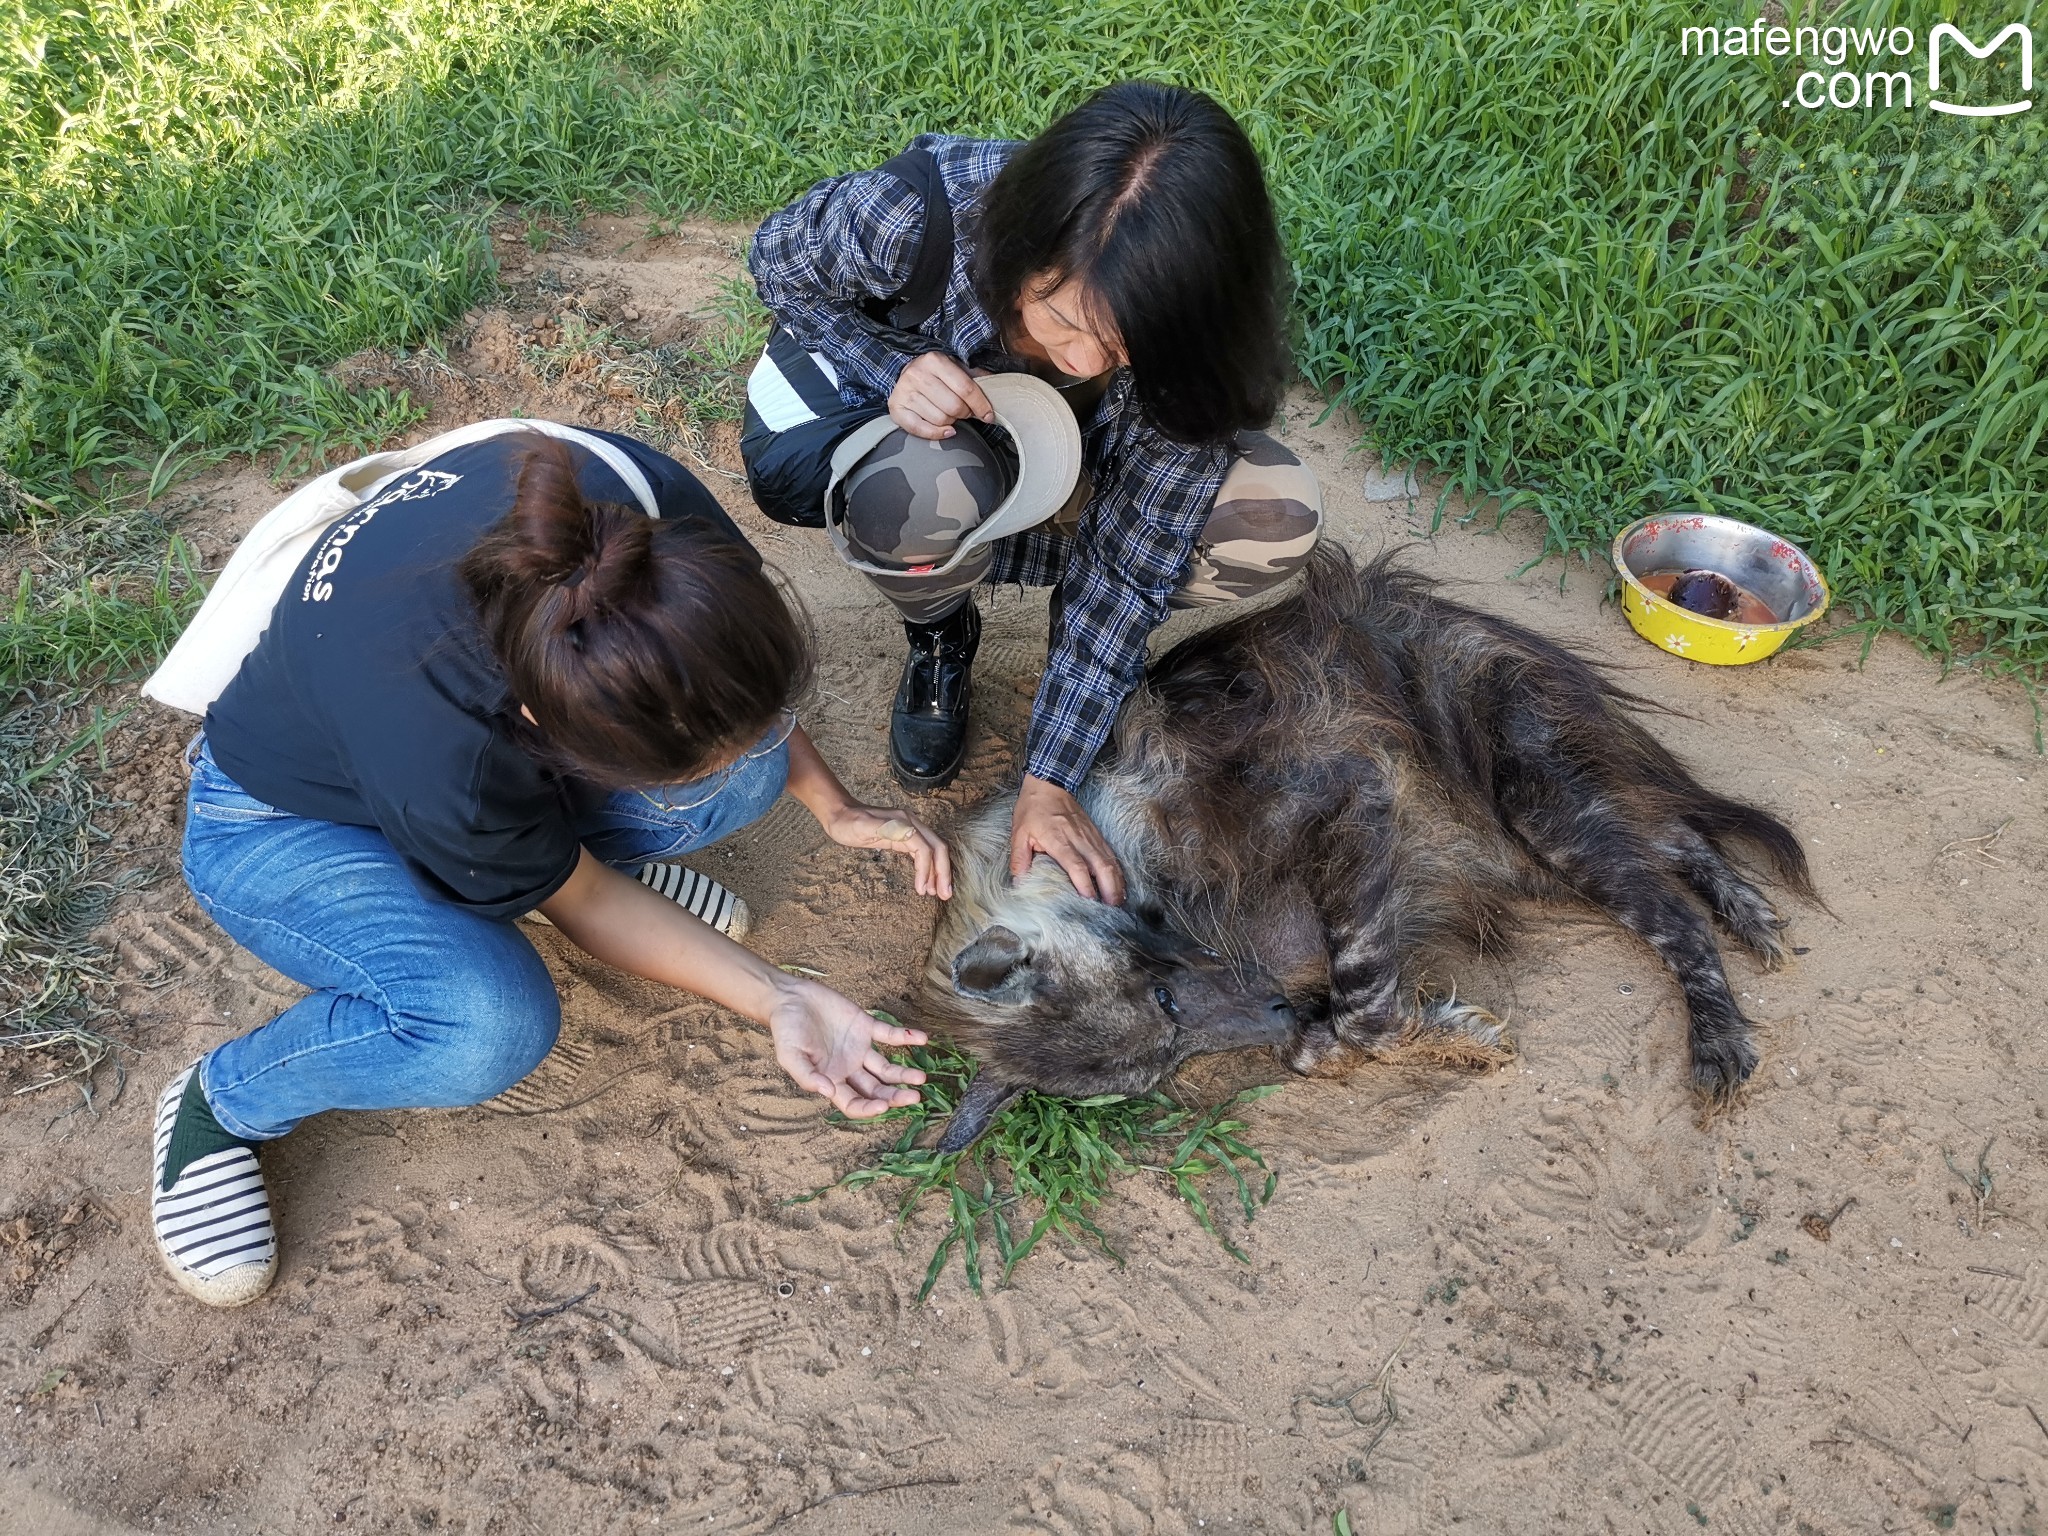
(960, 493)
(910, 502)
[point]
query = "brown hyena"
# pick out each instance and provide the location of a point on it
(1311, 804)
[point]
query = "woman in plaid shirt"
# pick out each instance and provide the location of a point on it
(1128, 256)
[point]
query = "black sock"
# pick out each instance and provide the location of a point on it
(195, 1133)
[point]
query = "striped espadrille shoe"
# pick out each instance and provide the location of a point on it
(699, 895)
(213, 1226)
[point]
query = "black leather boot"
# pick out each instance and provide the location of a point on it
(928, 727)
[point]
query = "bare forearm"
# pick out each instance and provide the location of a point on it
(621, 922)
(825, 1042)
(812, 783)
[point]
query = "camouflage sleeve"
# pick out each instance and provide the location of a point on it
(844, 242)
(1130, 552)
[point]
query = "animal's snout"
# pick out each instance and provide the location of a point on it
(1278, 1026)
(1266, 1021)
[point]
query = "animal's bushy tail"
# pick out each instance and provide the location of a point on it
(1716, 817)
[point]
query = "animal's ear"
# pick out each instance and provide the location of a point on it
(996, 966)
(984, 1100)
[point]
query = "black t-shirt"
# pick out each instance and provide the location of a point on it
(373, 699)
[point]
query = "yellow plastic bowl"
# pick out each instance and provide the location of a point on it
(1771, 569)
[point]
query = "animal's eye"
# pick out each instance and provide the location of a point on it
(1164, 998)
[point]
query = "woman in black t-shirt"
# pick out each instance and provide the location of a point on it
(496, 688)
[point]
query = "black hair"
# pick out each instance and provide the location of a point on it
(647, 649)
(1152, 197)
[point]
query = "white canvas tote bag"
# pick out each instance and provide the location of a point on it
(237, 610)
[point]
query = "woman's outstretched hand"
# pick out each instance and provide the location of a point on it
(853, 825)
(874, 826)
(828, 1046)
(1050, 821)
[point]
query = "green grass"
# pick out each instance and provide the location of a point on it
(54, 890)
(682, 386)
(1533, 245)
(95, 600)
(93, 624)
(1047, 1165)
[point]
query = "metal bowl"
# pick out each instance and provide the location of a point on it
(1777, 573)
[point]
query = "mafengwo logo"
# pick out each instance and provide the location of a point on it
(1943, 32)
(1862, 85)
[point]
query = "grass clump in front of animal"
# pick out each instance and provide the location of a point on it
(1046, 1165)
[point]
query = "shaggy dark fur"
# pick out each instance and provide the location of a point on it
(1318, 799)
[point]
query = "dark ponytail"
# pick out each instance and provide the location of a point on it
(646, 649)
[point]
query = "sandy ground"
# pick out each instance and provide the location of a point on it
(1586, 1310)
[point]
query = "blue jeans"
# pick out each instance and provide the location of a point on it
(415, 1003)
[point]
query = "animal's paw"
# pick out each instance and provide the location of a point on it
(1761, 933)
(1469, 1019)
(1721, 1063)
(1755, 924)
(1316, 1049)
(1449, 1033)
(1768, 949)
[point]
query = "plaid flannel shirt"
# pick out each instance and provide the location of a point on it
(853, 238)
